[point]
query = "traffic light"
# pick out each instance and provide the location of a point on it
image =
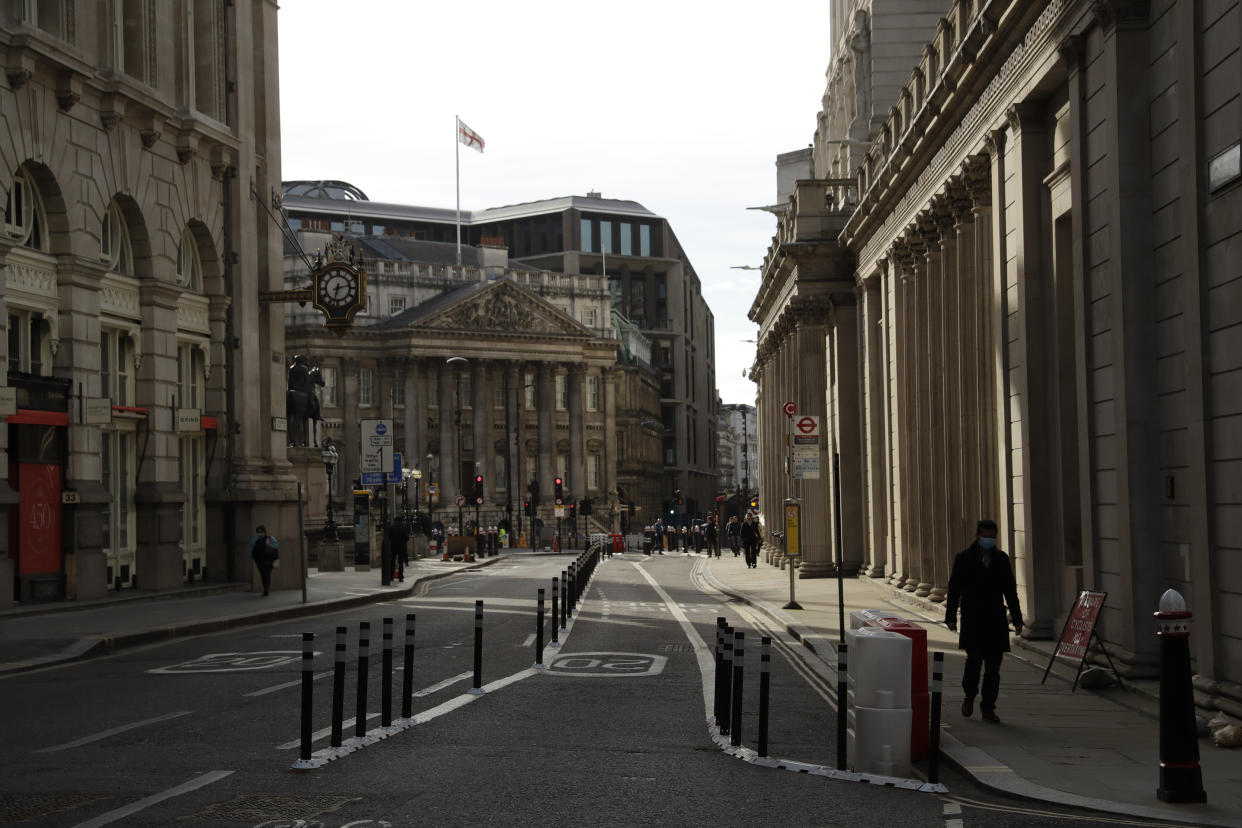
(526, 510)
(478, 485)
(754, 503)
(560, 491)
(586, 506)
(571, 511)
(533, 487)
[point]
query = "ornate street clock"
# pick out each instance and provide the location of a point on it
(338, 285)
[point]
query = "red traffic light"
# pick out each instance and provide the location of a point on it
(558, 481)
(478, 479)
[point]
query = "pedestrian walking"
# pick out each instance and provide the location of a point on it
(398, 535)
(982, 584)
(713, 537)
(733, 531)
(265, 552)
(658, 533)
(749, 534)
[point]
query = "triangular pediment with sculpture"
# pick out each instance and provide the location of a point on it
(506, 308)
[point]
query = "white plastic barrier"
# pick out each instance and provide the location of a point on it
(859, 618)
(879, 715)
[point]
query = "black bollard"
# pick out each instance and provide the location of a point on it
(739, 664)
(556, 624)
(407, 677)
(478, 647)
(308, 691)
(338, 687)
(718, 696)
(933, 750)
(573, 588)
(539, 634)
(726, 701)
(564, 599)
(765, 680)
(1181, 778)
(843, 690)
(364, 647)
(386, 673)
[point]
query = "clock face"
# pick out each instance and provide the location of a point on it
(337, 288)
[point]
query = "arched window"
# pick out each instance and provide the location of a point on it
(24, 220)
(189, 266)
(114, 244)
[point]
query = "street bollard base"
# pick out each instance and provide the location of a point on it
(792, 605)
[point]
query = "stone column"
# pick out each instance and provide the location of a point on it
(515, 485)
(809, 371)
(970, 357)
(1035, 529)
(158, 497)
(946, 414)
(77, 356)
(609, 458)
(415, 412)
(874, 421)
(978, 179)
(449, 485)
(844, 370)
(481, 420)
(576, 470)
(924, 449)
(899, 331)
(546, 402)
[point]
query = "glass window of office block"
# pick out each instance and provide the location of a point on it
(627, 240)
(605, 236)
(644, 240)
(586, 235)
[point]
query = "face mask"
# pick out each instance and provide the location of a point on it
(987, 543)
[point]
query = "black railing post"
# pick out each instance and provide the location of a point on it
(739, 664)
(933, 752)
(407, 678)
(843, 690)
(478, 647)
(308, 691)
(386, 676)
(539, 634)
(765, 681)
(364, 648)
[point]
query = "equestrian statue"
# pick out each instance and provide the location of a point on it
(302, 403)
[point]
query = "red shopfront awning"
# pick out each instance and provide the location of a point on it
(29, 416)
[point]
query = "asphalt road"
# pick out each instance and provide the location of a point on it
(204, 731)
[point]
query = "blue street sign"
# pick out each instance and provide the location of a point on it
(395, 475)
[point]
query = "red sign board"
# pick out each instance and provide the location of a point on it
(789, 408)
(807, 425)
(1076, 634)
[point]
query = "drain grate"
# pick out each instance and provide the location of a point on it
(18, 807)
(676, 648)
(257, 807)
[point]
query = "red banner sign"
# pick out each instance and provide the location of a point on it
(1077, 632)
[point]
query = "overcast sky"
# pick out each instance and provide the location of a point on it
(681, 105)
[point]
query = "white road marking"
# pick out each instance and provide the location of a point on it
(530, 639)
(277, 687)
(448, 682)
(142, 804)
(346, 725)
(86, 740)
(705, 658)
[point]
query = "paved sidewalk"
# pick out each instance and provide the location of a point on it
(1088, 749)
(47, 634)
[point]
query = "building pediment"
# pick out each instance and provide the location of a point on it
(505, 308)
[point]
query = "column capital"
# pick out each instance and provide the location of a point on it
(1027, 115)
(977, 179)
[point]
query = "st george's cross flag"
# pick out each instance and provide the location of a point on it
(468, 136)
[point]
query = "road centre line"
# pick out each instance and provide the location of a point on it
(86, 740)
(704, 657)
(448, 682)
(142, 804)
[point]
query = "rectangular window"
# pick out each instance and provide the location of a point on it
(396, 304)
(627, 241)
(189, 376)
(498, 395)
(329, 388)
(530, 392)
(116, 354)
(364, 387)
(532, 465)
(588, 317)
(398, 392)
(592, 393)
(592, 471)
(467, 391)
(586, 235)
(644, 240)
(562, 393)
(605, 236)
(502, 472)
(562, 466)
(638, 300)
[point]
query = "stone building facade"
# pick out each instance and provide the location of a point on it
(538, 396)
(649, 278)
(1026, 307)
(137, 145)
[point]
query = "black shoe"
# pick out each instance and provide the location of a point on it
(990, 716)
(968, 707)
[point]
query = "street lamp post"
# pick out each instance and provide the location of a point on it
(330, 456)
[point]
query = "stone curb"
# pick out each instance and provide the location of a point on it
(85, 648)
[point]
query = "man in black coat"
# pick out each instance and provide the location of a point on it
(982, 584)
(398, 535)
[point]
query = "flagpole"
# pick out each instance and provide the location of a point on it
(457, 170)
